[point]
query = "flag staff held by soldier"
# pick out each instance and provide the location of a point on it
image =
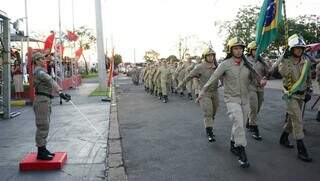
(45, 88)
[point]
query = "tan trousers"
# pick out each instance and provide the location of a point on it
(256, 99)
(189, 86)
(237, 114)
(294, 122)
(209, 105)
(42, 111)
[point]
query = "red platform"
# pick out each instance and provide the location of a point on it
(30, 162)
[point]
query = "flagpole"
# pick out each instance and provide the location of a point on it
(73, 49)
(286, 26)
(60, 49)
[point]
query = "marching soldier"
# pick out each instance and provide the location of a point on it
(210, 101)
(44, 86)
(294, 69)
(180, 72)
(195, 81)
(189, 66)
(235, 73)
(165, 77)
(256, 91)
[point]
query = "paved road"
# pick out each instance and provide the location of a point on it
(167, 142)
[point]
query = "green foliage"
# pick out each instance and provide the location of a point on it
(151, 56)
(86, 37)
(172, 58)
(117, 60)
(244, 26)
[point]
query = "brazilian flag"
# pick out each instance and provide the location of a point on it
(268, 24)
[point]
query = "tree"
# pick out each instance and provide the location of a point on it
(244, 27)
(86, 40)
(117, 60)
(151, 56)
(172, 58)
(190, 45)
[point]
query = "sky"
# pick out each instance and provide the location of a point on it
(139, 25)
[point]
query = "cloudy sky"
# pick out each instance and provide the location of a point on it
(144, 24)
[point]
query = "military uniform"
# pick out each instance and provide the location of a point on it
(189, 66)
(291, 70)
(235, 76)
(195, 82)
(256, 91)
(181, 72)
(44, 86)
(165, 77)
(210, 101)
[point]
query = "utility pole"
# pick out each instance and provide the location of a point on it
(100, 47)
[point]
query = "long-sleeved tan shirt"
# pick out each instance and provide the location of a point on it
(236, 80)
(290, 71)
(203, 72)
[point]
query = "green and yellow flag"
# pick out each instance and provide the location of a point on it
(268, 24)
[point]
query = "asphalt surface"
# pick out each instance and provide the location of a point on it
(69, 132)
(167, 142)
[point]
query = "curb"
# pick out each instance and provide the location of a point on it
(115, 168)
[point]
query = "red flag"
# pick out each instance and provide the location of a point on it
(78, 53)
(49, 42)
(72, 36)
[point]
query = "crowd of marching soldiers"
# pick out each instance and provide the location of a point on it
(243, 78)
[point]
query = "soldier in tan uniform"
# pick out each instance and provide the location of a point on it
(157, 81)
(195, 81)
(146, 77)
(235, 74)
(256, 91)
(151, 73)
(175, 78)
(291, 69)
(188, 67)
(44, 86)
(180, 73)
(210, 101)
(165, 77)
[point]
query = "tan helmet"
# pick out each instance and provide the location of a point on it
(235, 42)
(36, 56)
(207, 52)
(252, 46)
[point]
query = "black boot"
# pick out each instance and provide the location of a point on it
(284, 140)
(248, 126)
(256, 134)
(302, 152)
(197, 95)
(234, 149)
(190, 96)
(318, 116)
(181, 94)
(165, 99)
(243, 157)
(43, 155)
(156, 94)
(49, 153)
(160, 96)
(151, 91)
(210, 135)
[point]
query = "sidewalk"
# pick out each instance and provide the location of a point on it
(69, 132)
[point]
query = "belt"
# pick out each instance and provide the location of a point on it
(45, 94)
